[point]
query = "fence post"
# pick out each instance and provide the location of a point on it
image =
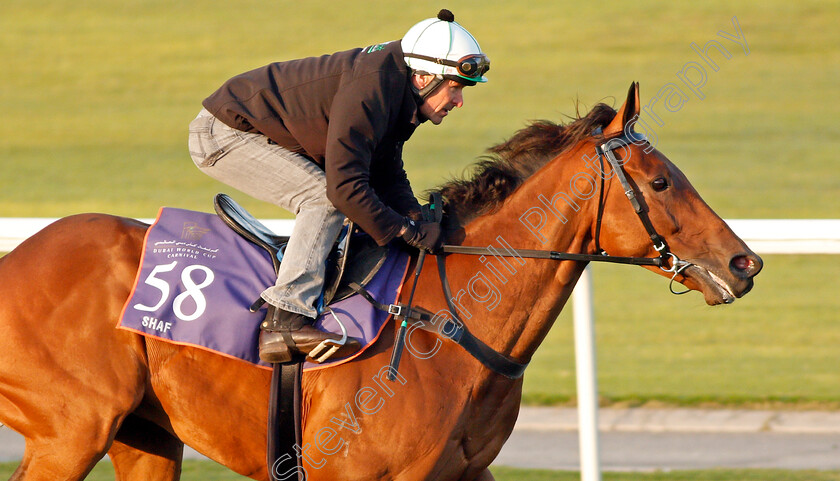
(587, 382)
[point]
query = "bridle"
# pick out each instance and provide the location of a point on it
(605, 150)
(456, 330)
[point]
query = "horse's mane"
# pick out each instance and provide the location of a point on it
(506, 166)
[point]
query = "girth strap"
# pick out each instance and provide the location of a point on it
(284, 427)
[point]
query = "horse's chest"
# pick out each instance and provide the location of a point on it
(484, 428)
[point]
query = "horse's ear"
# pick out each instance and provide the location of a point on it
(626, 113)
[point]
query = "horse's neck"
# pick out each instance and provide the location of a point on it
(533, 296)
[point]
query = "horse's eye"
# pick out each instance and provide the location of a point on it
(659, 184)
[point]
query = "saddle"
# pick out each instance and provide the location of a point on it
(354, 259)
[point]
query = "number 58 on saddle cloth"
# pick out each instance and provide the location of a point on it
(198, 278)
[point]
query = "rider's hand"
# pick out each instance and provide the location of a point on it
(423, 235)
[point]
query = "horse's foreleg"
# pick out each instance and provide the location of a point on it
(143, 451)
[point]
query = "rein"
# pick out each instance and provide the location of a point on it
(456, 330)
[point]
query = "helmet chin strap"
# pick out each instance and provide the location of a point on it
(432, 85)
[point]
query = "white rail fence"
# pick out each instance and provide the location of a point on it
(764, 236)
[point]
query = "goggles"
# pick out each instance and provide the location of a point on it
(472, 66)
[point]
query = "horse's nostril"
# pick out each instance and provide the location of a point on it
(742, 263)
(745, 265)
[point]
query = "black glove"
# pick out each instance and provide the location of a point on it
(423, 235)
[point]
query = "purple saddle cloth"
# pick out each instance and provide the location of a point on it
(198, 278)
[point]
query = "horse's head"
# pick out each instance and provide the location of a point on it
(543, 176)
(714, 260)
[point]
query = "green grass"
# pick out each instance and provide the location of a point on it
(96, 97)
(210, 471)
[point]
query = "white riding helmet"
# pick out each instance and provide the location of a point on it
(441, 47)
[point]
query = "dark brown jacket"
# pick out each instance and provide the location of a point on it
(350, 113)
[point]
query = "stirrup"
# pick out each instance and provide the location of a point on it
(329, 345)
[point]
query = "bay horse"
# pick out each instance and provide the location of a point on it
(77, 388)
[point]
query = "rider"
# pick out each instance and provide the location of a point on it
(322, 137)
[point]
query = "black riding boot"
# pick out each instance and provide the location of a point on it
(284, 334)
